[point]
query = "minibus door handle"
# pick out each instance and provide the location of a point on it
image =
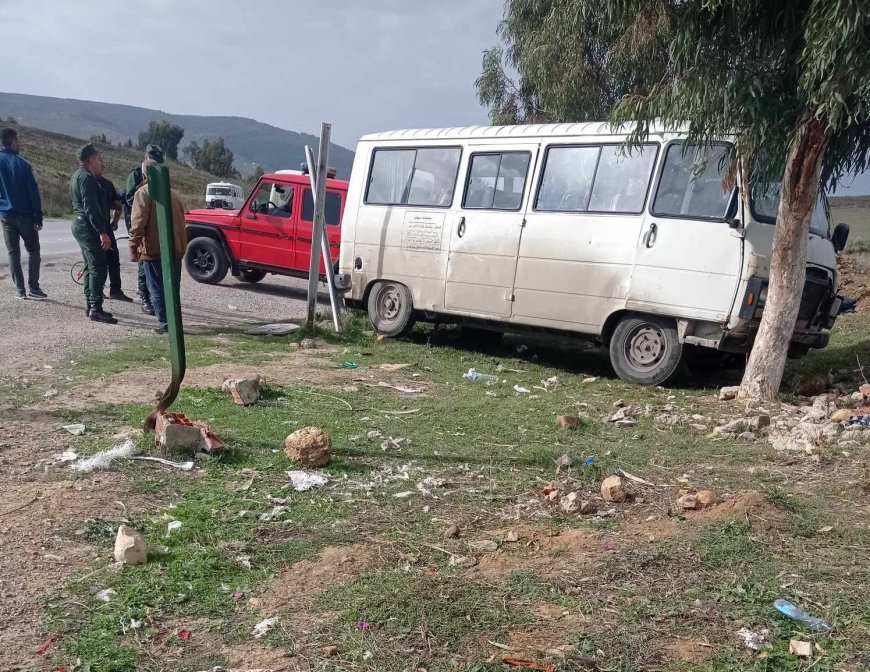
(460, 230)
(649, 238)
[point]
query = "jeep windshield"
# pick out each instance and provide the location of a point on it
(764, 203)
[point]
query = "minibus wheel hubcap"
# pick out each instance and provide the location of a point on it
(646, 346)
(390, 303)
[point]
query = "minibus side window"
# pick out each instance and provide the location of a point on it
(333, 207)
(567, 181)
(692, 183)
(622, 179)
(496, 181)
(420, 177)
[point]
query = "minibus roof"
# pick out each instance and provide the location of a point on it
(592, 129)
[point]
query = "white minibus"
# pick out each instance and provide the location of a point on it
(651, 251)
(224, 195)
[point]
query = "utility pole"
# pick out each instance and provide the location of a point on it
(319, 222)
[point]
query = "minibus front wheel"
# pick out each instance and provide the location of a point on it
(391, 308)
(645, 349)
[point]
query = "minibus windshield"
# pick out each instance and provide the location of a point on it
(765, 204)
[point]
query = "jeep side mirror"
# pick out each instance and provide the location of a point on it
(840, 237)
(254, 206)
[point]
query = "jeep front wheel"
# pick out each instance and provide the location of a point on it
(206, 261)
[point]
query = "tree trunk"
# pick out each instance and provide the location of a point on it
(788, 260)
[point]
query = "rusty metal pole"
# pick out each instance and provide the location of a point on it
(319, 223)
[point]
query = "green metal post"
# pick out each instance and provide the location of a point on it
(159, 191)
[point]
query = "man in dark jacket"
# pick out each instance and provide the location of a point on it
(134, 181)
(115, 205)
(20, 214)
(90, 229)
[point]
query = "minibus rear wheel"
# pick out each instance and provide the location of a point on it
(645, 349)
(391, 308)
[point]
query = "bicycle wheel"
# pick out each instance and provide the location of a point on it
(77, 272)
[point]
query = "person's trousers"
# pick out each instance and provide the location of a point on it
(113, 261)
(154, 276)
(96, 266)
(144, 293)
(15, 229)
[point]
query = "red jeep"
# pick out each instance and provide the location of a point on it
(270, 234)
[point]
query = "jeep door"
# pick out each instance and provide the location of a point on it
(267, 226)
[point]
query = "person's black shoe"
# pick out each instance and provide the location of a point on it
(161, 330)
(38, 294)
(98, 315)
(147, 308)
(20, 294)
(87, 311)
(118, 295)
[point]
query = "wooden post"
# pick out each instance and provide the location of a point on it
(319, 223)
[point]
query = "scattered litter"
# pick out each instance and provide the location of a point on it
(512, 537)
(519, 389)
(403, 390)
(173, 526)
(528, 664)
(50, 393)
(309, 447)
(551, 383)
(244, 561)
(634, 479)
(185, 635)
(754, 641)
(825, 529)
(245, 391)
(409, 411)
(184, 466)
(263, 627)
(498, 645)
(304, 481)
(66, 456)
(132, 625)
(374, 434)
(75, 430)
(105, 458)
(238, 595)
(522, 348)
(795, 613)
(434, 482)
(43, 648)
(485, 377)
(363, 625)
(105, 595)
(800, 648)
(592, 379)
(279, 329)
(404, 494)
(347, 365)
(276, 512)
(395, 443)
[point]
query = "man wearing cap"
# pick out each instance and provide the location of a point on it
(20, 214)
(134, 181)
(90, 229)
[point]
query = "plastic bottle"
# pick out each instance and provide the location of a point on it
(485, 377)
(796, 613)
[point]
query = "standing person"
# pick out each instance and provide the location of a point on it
(20, 214)
(134, 181)
(115, 205)
(145, 242)
(90, 228)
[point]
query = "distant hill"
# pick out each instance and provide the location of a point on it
(53, 157)
(252, 142)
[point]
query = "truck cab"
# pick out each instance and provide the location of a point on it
(271, 233)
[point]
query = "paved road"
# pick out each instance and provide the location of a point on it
(35, 333)
(55, 240)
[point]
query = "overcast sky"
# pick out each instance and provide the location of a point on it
(386, 64)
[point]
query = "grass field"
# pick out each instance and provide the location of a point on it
(361, 564)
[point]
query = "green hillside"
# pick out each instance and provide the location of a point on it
(53, 157)
(253, 143)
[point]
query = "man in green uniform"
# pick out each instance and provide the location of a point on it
(115, 206)
(90, 229)
(134, 181)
